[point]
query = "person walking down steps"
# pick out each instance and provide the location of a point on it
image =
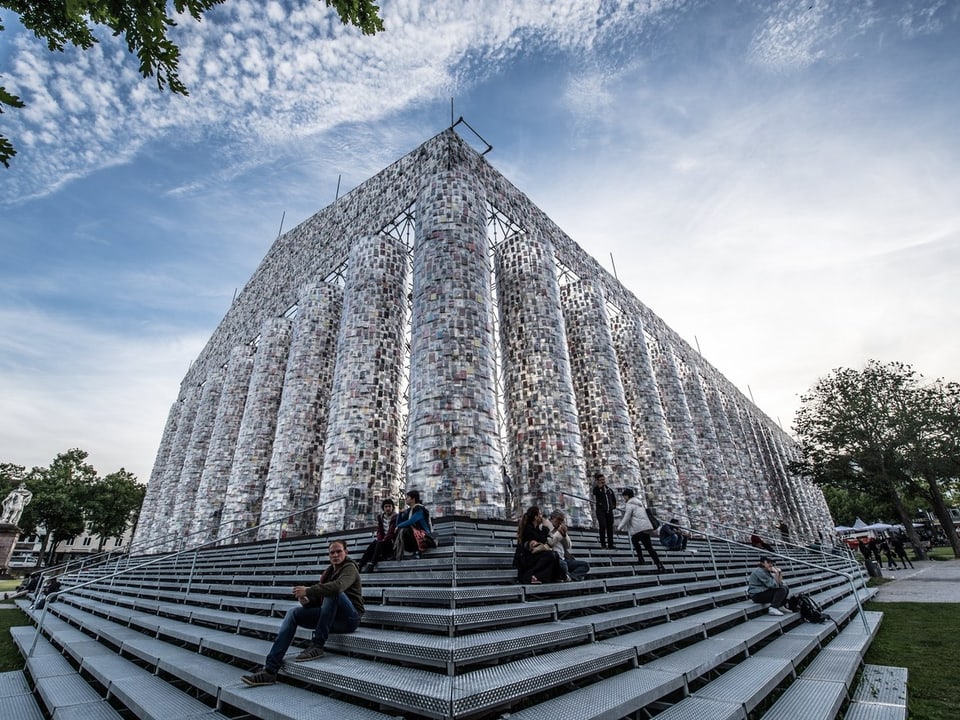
(638, 526)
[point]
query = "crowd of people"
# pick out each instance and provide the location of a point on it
(544, 554)
(544, 549)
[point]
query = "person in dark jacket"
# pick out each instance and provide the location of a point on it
(604, 503)
(335, 604)
(413, 528)
(672, 536)
(536, 561)
(382, 547)
(897, 542)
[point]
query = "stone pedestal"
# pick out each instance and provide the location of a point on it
(9, 534)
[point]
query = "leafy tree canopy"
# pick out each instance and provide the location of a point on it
(144, 25)
(70, 497)
(112, 504)
(884, 432)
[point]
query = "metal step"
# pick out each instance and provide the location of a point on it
(881, 694)
(16, 698)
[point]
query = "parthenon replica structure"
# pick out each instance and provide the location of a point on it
(434, 329)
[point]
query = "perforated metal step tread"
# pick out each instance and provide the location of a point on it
(807, 699)
(609, 699)
(747, 683)
(16, 700)
(489, 687)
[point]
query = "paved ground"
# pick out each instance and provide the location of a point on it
(936, 581)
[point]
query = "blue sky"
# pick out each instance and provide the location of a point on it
(779, 181)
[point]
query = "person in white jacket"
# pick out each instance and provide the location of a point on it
(637, 524)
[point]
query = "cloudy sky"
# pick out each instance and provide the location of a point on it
(779, 181)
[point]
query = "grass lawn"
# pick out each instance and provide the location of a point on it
(922, 637)
(941, 553)
(10, 658)
(9, 655)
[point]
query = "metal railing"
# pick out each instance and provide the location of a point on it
(845, 551)
(172, 556)
(106, 555)
(849, 576)
(711, 537)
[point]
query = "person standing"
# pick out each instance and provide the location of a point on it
(637, 524)
(604, 503)
(765, 585)
(897, 542)
(333, 605)
(888, 553)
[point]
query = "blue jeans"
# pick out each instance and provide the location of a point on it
(576, 569)
(674, 542)
(336, 614)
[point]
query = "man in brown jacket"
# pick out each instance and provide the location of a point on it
(334, 604)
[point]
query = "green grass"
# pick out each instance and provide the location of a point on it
(10, 658)
(922, 637)
(7, 586)
(941, 553)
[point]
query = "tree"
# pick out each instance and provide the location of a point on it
(885, 432)
(58, 495)
(10, 477)
(847, 505)
(144, 25)
(113, 504)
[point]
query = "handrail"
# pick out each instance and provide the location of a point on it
(791, 558)
(847, 555)
(710, 536)
(148, 543)
(166, 556)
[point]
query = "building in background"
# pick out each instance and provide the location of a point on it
(433, 329)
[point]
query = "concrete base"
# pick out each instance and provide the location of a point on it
(9, 534)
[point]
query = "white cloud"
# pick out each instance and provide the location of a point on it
(792, 221)
(96, 385)
(263, 75)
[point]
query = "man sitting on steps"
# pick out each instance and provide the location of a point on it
(334, 604)
(766, 586)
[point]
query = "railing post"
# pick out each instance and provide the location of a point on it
(276, 544)
(193, 566)
(713, 559)
(36, 637)
(856, 596)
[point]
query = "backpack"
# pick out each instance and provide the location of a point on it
(809, 609)
(652, 517)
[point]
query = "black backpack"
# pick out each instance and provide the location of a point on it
(808, 608)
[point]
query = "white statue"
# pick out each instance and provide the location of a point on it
(14, 503)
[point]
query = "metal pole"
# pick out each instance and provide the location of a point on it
(276, 545)
(193, 566)
(713, 559)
